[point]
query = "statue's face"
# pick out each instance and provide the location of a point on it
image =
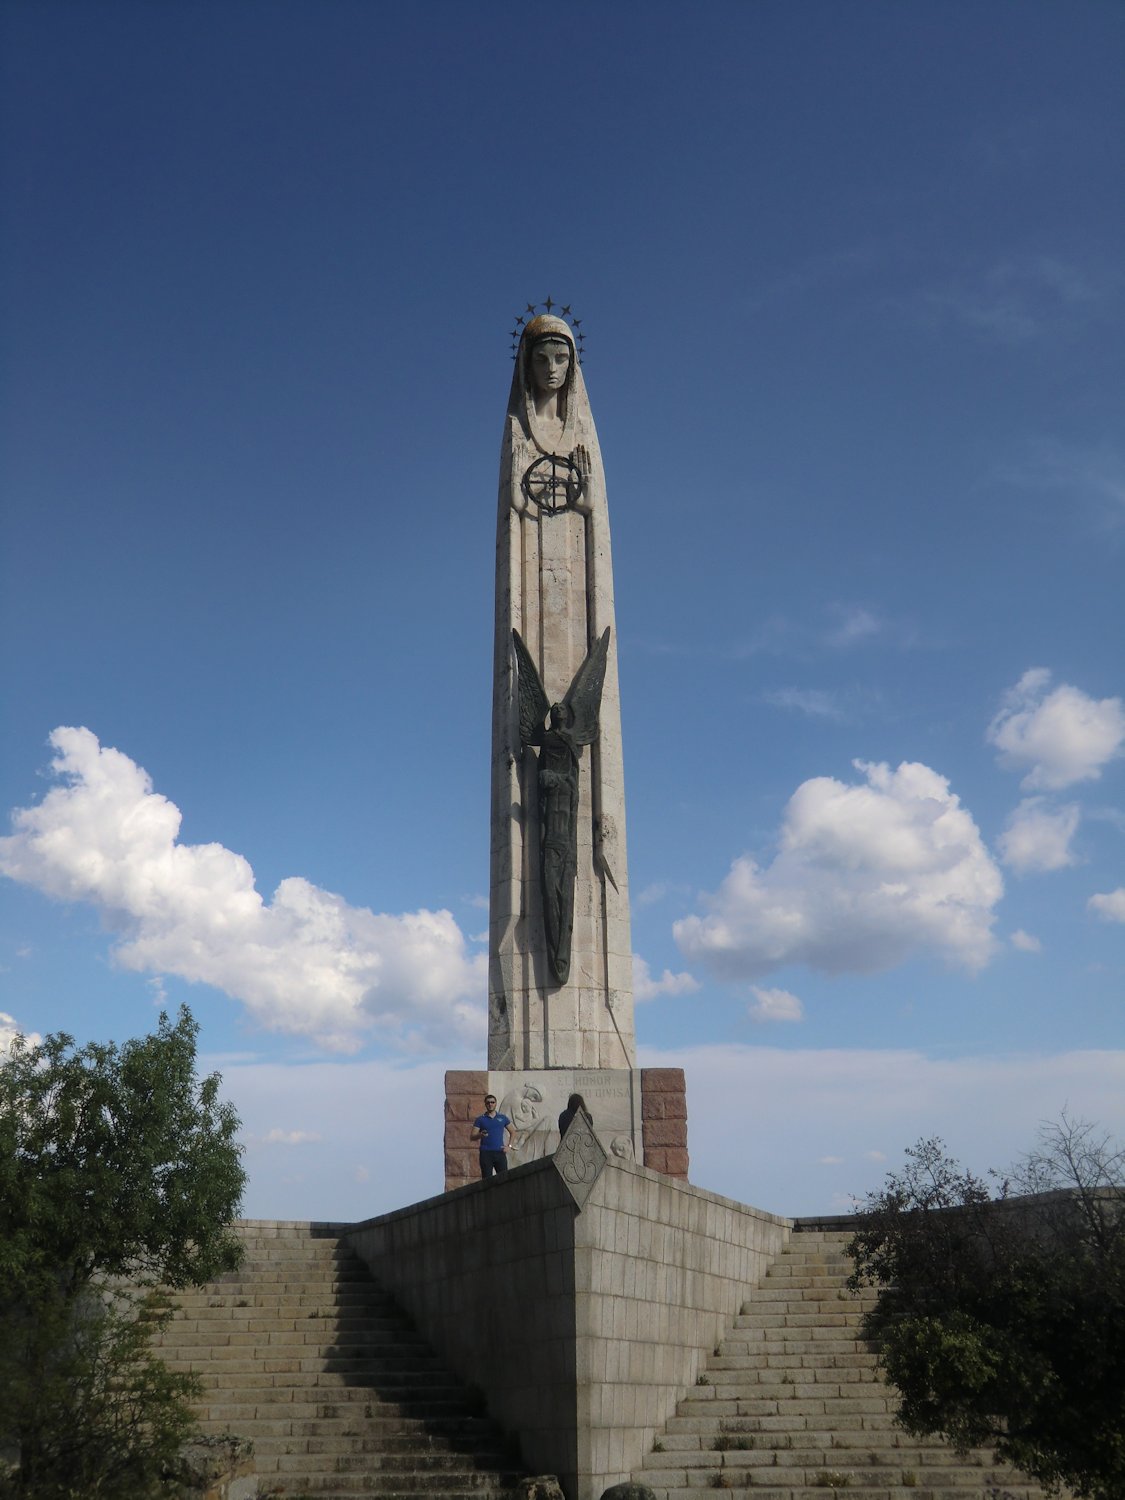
(550, 360)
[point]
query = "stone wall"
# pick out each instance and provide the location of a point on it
(582, 1329)
(661, 1268)
(487, 1274)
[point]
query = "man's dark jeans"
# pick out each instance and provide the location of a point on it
(493, 1161)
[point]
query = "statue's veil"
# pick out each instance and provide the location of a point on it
(521, 400)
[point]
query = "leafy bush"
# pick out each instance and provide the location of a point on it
(1001, 1316)
(119, 1174)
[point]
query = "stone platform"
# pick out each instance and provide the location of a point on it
(581, 1298)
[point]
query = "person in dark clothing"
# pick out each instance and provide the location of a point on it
(573, 1105)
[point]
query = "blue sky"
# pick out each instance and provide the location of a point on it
(852, 282)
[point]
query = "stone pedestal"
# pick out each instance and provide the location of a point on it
(639, 1114)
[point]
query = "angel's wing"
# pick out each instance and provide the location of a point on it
(533, 703)
(584, 696)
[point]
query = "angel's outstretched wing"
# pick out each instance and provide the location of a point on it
(533, 702)
(584, 696)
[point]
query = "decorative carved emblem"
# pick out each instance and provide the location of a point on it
(580, 1159)
(553, 484)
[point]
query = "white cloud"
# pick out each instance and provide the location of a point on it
(1025, 942)
(1038, 836)
(775, 1005)
(864, 877)
(1018, 299)
(659, 890)
(1091, 476)
(1063, 736)
(854, 624)
(1110, 905)
(829, 1161)
(305, 963)
(864, 1105)
(278, 1137)
(645, 987)
(10, 1029)
(815, 703)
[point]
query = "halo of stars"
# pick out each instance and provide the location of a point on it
(533, 309)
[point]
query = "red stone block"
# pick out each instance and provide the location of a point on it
(665, 1133)
(465, 1081)
(655, 1157)
(675, 1106)
(662, 1080)
(652, 1106)
(676, 1163)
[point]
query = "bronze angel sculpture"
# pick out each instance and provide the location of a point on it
(573, 723)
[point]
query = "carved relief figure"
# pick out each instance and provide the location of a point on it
(530, 1118)
(573, 723)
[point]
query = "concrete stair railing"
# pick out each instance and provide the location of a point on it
(792, 1407)
(302, 1352)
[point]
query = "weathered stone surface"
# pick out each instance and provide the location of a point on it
(629, 1491)
(464, 1100)
(554, 586)
(533, 1099)
(664, 1113)
(580, 1159)
(588, 1325)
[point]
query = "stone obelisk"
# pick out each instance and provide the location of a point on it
(560, 984)
(560, 957)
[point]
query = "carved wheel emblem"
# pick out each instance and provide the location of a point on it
(553, 483)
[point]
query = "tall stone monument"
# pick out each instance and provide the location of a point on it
(560, 990)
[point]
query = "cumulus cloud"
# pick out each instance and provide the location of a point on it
(278, 1137)
(645, 987)
(865, 876)
(775, 1005)
(1038, 836)
(1025, 942)
(9, 1030)
(305, 963)
(1061, 737)
(1110, 905)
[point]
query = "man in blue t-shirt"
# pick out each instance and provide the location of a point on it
(496, 1136)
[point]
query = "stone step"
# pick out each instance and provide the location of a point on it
(301, 1351)
(791, 1406)
(764, 1490)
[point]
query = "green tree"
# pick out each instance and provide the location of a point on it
(1001, 1314)
(119, 1176)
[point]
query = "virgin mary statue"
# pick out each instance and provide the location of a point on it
(554, 588)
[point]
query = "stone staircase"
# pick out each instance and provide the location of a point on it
(302, 1352)
(790, 1406)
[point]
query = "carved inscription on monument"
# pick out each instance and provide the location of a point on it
(534, 1099)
